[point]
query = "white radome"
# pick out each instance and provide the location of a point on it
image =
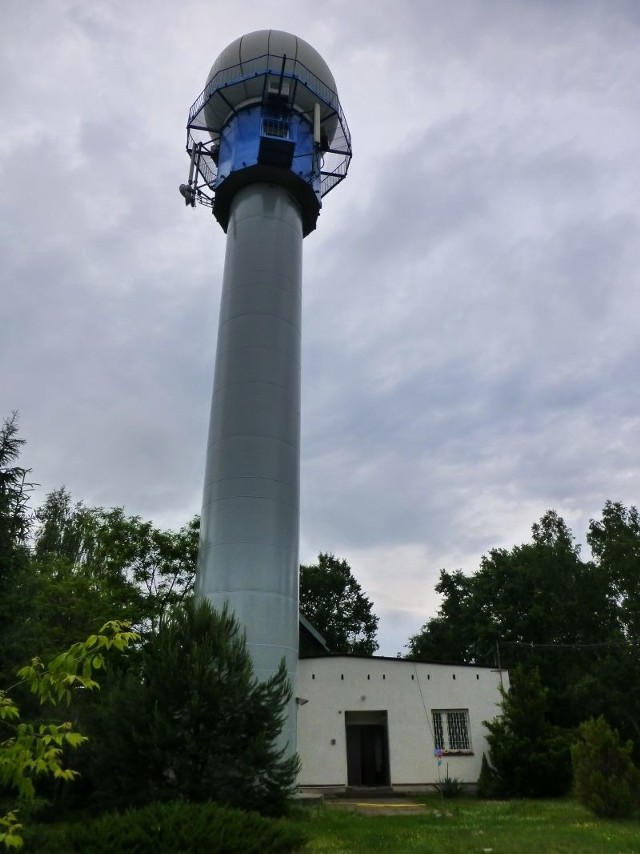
(250, 55)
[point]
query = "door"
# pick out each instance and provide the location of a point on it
(367, 749)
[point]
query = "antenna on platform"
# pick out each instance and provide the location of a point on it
(193, 192)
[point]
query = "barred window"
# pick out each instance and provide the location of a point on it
(275, 127)
(451, 730)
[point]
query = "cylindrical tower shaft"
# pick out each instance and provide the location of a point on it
(250, 516)
(267, 140)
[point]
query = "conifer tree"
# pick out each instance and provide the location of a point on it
(199, 726)
(605, 779)
(530, 757)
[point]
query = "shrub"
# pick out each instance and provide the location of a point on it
(31, 751)
(605, 779)
(450, 787)
(169, 828)
(488, 784)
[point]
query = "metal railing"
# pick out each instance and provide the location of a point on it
(270, 65)
(335, 161)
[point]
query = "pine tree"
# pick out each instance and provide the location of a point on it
(530, 757)
(15, 526)
(199, 726)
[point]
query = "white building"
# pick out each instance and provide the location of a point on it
(380, 721)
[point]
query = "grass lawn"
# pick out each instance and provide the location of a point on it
(466, 824)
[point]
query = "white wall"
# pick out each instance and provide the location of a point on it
(408, 691)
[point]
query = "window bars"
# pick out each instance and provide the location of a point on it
(451, 730)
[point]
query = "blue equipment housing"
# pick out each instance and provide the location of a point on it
(264, 143)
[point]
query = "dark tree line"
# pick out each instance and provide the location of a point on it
(542, 606)
(66, 569)
(539, 609)
(180, 714)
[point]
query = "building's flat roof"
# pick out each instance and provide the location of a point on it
(357, 657)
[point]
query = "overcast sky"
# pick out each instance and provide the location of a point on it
(471, 300)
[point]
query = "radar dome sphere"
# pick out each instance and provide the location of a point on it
(252, 55)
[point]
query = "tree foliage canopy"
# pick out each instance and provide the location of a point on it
(333, 601)
(15, 520)
(86, 566)
(141, 568)
(181, 715)
(614, 541)
(543, 606)
(539, 592)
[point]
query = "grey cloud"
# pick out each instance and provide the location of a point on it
(470, 296)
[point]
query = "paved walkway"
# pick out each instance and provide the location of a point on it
(385, 806)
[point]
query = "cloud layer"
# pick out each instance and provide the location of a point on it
(471, 293)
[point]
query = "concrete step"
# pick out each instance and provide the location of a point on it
(369, 792)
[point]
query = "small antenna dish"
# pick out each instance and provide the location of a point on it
(202, 159)
(188, 194)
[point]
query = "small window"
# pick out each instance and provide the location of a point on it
(451, 730)
(275, 127)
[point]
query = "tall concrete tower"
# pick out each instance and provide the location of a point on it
(267, 139)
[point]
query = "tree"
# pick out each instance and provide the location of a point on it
(88, 565)
(30, 751)
(529, 757)
(606, 780)
(15, 527)
(333, 601)
(199, 725)
(15, 521)
(129, 552)
(538, 605)
(105, 563)
(615, 544)
(537, 593)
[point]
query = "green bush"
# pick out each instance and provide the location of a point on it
(605, 779)
(167, 829)
(488, 784)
